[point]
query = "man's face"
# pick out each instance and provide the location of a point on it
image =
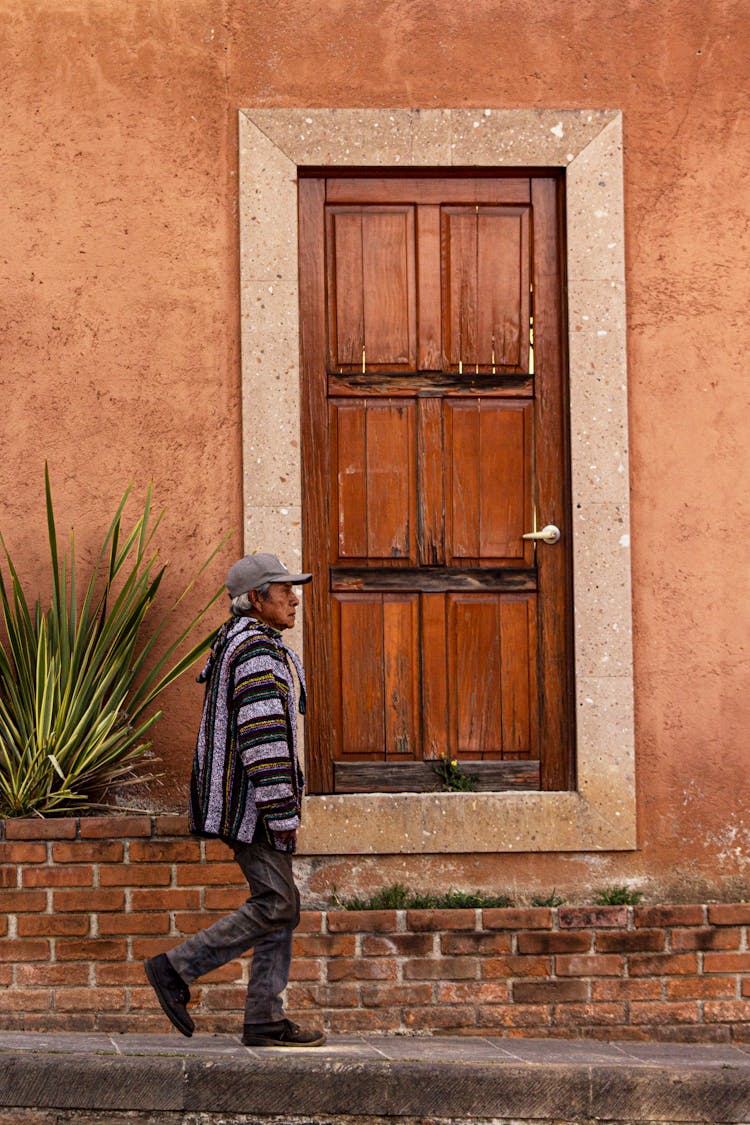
(280, 607)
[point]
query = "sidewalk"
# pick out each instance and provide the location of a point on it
(165, 1078)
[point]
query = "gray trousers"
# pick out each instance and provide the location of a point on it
(266, 922)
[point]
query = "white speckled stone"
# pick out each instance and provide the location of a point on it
(271, 432)
(268, 251)
(603, 631)
(511, 137)
(601, 815)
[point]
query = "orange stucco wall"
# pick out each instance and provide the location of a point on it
(120, 329)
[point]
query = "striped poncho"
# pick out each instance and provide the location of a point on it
(245, 768)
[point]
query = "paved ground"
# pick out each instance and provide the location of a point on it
(165, 1078)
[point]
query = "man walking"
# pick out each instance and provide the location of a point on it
(246, 788)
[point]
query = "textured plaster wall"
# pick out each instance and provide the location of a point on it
(119, 324)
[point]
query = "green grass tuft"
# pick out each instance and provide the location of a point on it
(399, 897)
(617, 896)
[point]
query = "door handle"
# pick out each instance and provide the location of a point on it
(548, 534)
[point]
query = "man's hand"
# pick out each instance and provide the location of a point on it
(288, 839)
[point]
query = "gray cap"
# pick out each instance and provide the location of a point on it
(256, 570)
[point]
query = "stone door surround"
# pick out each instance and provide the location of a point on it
(274, 144)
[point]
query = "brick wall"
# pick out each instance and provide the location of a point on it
(83, 902)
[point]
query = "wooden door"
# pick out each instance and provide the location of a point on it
(434, 438)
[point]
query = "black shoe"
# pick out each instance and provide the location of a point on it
(283, 1033)
(172, 992)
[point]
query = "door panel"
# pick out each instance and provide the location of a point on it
(486, 287)
(376, 638)
(371, 288)
(487, 463)
(432, 626)
(373, 486)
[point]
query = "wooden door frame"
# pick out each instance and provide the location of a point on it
(274, 145)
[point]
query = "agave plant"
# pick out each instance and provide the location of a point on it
(78, 681)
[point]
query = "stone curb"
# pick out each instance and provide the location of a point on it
(318, 1086)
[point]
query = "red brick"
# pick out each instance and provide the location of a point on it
(90, 949)
(115, 1023)
(3, 926)
(439, 1019)
(219, 898)
(513, 918)
(476, 992)
(645, 988)
(348, 1021)
(169, 898)
(441, 968)
(144, 998)
(53, 925)
(14, 1021)
(393, 995)
(111, 973)
(304, 968)
(630, 941)
(27, 999)
(647, 1012)
(114, 827)
(6, 974)
(398, 945)
(359, 968)
(210, 874)
(482, 944)
(192, 922)
(515, 1016)
(23, 853)
(495, 967)
(592, 917)
(729, 914)
(597, 1015)
(215, 999)
(553, 942)
(310, 922)
(590, 965)
(314, 945)
(151, 946)
(40, 974)
(89, 999)
(217, 850)
(550, 991)
(701, 988)
(171, 824)
(746, 987)
(59, 1021)
(324, 995)
(133, 924)
(16, 902)
(362, 921)
(169, 851)
(662, 964)
(706, 938)
(78, 876)
(8, 876)
(420, 920)
(20, 951)
(101, 851)
(157, 875)
(726, 1011)
(38, 828)
(668, 916)
(726, 963)
(90, 900)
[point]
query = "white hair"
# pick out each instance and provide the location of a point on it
(241, 606)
